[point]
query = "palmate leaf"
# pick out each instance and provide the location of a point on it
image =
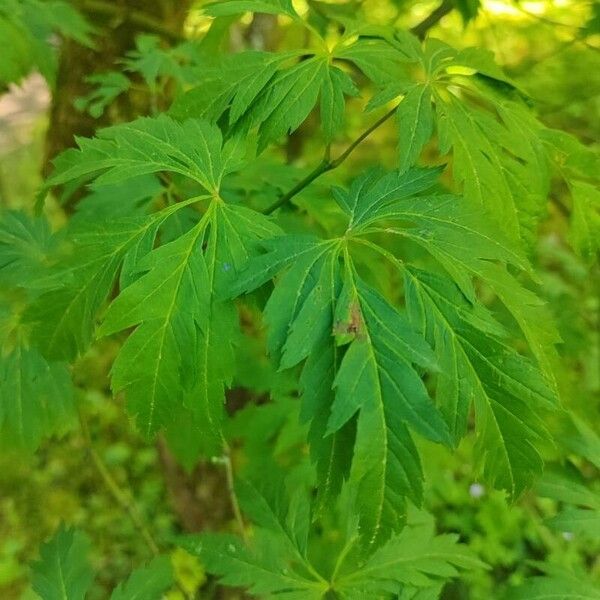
(278, 561)
(377, 391)
(64, 318)
(375, 379)
(180, 353)
(176, 363)
(265, 90)
(464, 240)
(498, 157)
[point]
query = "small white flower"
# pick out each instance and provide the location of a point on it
(476, 490)
(567, 535)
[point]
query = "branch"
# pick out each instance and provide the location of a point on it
(428, 22)
(136, 17)
(328, 165)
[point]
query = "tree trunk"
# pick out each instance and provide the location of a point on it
(119, 22)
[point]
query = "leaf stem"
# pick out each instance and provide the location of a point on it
(121, 497)
(328, 165)
(235, 505)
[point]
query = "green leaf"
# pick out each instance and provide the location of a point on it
(276, 562)
(180, 353)
(374, 192)
(464, 241)
(168, 305)
(146, 583)
(263, 570)
(131, 198)
(63, 318)
(416, 557)
(108, 87)
(378, 59)
(477, 367)
(63, 571)
(36, 398)
(234, 81)
(375, 379)
(477, 162)
(331, 453)
(193, 149)
(334, 86)
(556, 583)
(415, 119)
(25, 246)
(286, 103)
(558, 485)
(468, 9)
(27, 28)
(262, 89)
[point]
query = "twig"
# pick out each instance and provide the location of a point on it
(120, 496)
(428, 22)
(327, 165)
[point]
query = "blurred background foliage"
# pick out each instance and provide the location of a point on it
(133, 59)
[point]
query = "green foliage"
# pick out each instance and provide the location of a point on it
(556, 583)
(278, 560)
(26, 27)
(64, 572)
(374, 334)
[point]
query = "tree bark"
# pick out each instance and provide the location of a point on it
(119, 22)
